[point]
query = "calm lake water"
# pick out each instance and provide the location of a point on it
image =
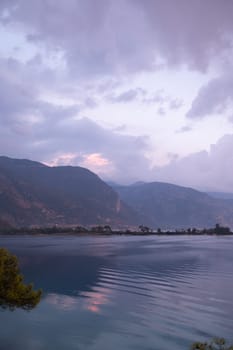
(158, 293)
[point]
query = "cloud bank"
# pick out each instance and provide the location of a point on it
(80, 52)
(210, 170)
(109, 36)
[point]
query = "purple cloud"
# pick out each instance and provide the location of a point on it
(127, 36)
(84, 50)
(204, 170)
(185, 128)
(212, 98)
(176, 104)
(126, 96)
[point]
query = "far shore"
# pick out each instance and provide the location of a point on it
(108, 231)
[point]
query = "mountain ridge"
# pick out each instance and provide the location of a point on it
(32, 193)
(172, 206)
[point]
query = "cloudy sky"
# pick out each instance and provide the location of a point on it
(131, 89)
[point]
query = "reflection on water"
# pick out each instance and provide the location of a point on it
(122, 292)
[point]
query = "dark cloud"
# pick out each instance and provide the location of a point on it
(190, 32)
(126, 96)
(5, 6)
(69, 27)
(215, 97)
(143, 96)
(15, 100)
(163, 100)
(128, 36)
(20, 105)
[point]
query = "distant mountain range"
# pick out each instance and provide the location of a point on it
(221, 195)
(32, 193)
(169, 206)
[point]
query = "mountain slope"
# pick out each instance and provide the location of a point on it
(169, 206)
(221, 195)
(32, 193)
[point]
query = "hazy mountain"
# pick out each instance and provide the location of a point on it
(221, 195)
(32, 193)
(169, 206)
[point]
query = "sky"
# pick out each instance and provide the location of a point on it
(133, 90)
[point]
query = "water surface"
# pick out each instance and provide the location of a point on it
(122, 292)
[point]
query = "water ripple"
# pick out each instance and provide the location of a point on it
(120, 293)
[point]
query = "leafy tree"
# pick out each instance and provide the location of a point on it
(97, 229)
(107, 229)
(13, 292)
(144, 229)
(215, 344)
(221, 230)
(81, 229)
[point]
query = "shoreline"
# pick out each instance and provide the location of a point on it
(108, 231)
(119, 233)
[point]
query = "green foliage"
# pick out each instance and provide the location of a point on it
(144, 229)
(13, 292)
(215, 344)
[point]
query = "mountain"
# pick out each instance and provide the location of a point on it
(32, 193)
(169, 206)
(221, 195)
